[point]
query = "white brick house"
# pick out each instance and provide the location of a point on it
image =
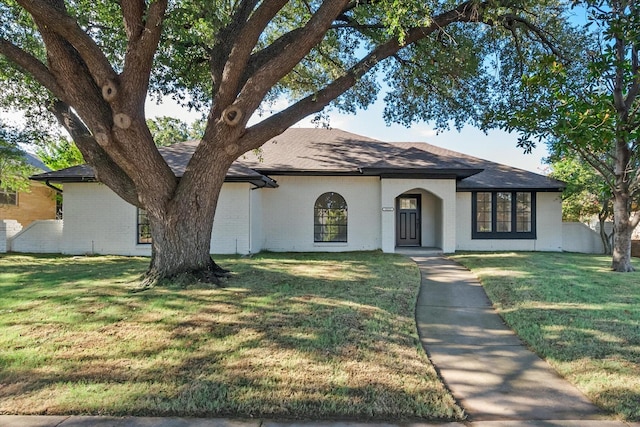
(329, 190)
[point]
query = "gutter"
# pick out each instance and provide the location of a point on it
(50, 185)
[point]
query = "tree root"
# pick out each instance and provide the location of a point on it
(210, 277)
(623, 269)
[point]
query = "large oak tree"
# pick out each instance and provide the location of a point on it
(98, 61)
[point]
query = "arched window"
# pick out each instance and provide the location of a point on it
(330, 218)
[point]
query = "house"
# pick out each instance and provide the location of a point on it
(25, 207)
(330, 190)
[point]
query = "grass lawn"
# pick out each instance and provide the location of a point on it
(291, 335)
(577, 314)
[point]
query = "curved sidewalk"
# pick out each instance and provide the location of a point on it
(484, 364)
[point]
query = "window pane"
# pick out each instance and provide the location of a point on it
(144, 228)
(523, 214)
(409, 203)
(504, 215)
(8, 197)
(483, 212)
(503, 212)
(330, 218)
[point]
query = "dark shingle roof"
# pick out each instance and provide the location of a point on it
(493, 175)
(321, 151)
(335, 152)
(177, 157)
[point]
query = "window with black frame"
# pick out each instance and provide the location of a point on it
(330, 218)
(144, 228)
(503, 215)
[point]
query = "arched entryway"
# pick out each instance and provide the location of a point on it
(418, 219)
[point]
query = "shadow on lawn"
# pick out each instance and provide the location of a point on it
(288, 344)
(572, 302)
(573, 311)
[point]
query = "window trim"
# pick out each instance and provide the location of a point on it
(7, 194)
(513, 234)
(316, 224)
(141, 213)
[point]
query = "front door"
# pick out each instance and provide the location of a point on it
(408, 220)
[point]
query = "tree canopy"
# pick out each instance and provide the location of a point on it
(92, 65)
(590, 107)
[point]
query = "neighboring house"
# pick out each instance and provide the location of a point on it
(37, 203)
(329, 190)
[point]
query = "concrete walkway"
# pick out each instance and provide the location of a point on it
(487, 368)
(494, 377)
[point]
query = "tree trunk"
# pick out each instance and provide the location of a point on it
(603, 215)
(621, 260)
(181, 234)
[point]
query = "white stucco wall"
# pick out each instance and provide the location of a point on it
(578, 237)
(548, 227)
(97, 221)
(439, 196)
(431, 220)
(256, 216)
(287, 220)
(231, 225)
(41, 236)
(8, 229)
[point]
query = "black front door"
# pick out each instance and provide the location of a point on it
(408, 220)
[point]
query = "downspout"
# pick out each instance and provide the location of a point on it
(50, 185)
(250, 222)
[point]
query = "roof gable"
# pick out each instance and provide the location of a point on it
(493, 175)
(309, 151)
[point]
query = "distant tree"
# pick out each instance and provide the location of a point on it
(585, 196)
(14, 169)
(59, 153)
(169, 130)
(93, 65)
(590, 107)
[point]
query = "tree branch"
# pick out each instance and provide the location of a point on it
(634, 90)
(618, 96)
(271, 72)
(603, 169)
(29, 64)
(141, 49)
(132, 14)
(247, 37)
(539, 33)
(219, 53)
(260, 58)
(470, 11)
(106, 170)
(47, 14)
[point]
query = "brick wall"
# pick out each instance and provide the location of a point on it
(38, 203)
